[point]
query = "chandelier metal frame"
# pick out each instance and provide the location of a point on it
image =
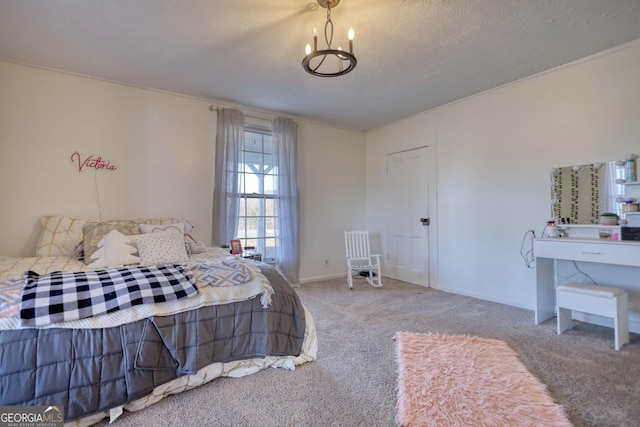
(342, 56)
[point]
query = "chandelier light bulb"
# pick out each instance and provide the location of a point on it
(307, 49)
(351, 34)
(315, 41)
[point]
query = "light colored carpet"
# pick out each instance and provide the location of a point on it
(457, 380)
(353, 382)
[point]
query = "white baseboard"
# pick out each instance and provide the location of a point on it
(480, 296)
(325, 277)
(634, 310)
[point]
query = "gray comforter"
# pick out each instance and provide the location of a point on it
(92, 370)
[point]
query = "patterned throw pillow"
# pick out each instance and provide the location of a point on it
(60, 235)
(161, 248)
(93, 232)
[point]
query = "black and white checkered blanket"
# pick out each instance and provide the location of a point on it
(64, 296)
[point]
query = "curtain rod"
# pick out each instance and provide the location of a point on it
(214, 107)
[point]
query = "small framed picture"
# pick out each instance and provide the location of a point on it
(236, 247)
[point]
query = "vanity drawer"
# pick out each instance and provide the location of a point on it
(612, 252)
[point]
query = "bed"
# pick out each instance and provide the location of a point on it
(95, 337)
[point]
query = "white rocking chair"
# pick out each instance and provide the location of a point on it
(360, 259)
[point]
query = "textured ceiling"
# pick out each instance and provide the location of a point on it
(412, 55)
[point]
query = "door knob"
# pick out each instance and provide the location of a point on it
(424, 221)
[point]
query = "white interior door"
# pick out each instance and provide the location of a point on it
(407, 256)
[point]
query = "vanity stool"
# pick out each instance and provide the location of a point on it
(604, 301)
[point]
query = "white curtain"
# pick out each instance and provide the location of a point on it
(226, 202)
(284, 147)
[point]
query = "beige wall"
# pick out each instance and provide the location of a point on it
(163, 145)
(494, 152)
(332, 196)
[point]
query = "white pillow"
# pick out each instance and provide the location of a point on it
(187, 225)
(161, 248)
(115, 250)
(177, 228)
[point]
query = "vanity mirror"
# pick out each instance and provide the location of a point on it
(581, 193)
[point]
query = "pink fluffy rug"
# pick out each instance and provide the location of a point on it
(468, 381)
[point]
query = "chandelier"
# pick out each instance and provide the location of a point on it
(329, 62)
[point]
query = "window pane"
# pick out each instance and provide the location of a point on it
(252, 226)
(253, 144)
(270, 227)
(269, 184)
(270, 248)
(254, 207)
(252, 184)
(241, 228)
(268, 163)
(253, 162)
(259, 227)
(268, 145)
(269, 203)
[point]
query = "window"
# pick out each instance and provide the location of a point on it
(257, 226)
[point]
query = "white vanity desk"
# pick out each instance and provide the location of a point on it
(548, 251)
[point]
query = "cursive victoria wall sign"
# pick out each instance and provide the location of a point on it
(91, 162)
